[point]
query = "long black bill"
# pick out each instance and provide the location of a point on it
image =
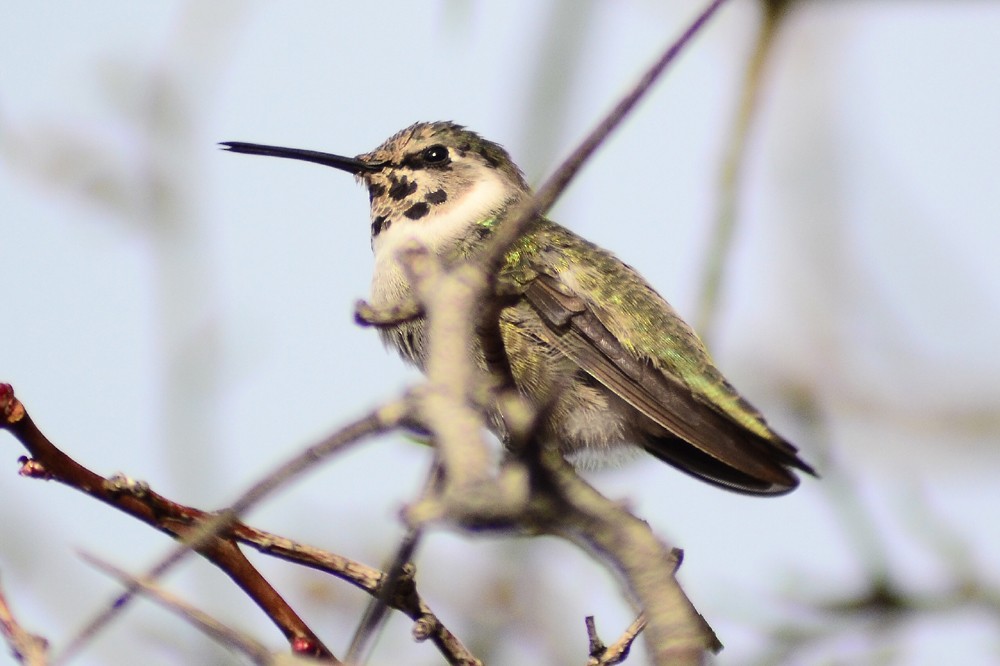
(348, 164)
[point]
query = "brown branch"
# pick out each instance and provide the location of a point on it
(26, 647)
(484, 276)
(404, 597)
(537, 491)
(187, 523)
(375, 422)
(50, 463)
(253, 649)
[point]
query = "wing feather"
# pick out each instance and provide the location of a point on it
(727, 453)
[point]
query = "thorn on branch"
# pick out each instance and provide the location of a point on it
(424, 628)
(120, 483)
(32, 469)
(596, 646)
(601, 655)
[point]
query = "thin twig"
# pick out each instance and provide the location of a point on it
(547, 194)
(371, 424)
(730, 181)
(28, 648)
(403, 598)
(447, 298)
(390, 588)
(371, 620)
(557, 500)
(452, 374)
(676, 632)
(175, 519)
(224, 634)
(596, 646)
(618, 651)
(49, 462)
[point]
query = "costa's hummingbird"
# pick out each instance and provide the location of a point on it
(587, 338)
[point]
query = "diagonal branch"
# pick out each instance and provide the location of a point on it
(677, 633)
(177, 520)
(26, 647)
(376, 422)
(50, 463)
(552, 188)
(247, 645)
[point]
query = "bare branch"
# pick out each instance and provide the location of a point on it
(676, 631)
(178, 520)
(196, 528)
(596, 645)
(374, 423)
(374, 614)
(547, 194)
(238, 641)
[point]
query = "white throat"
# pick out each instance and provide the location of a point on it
(435, 232)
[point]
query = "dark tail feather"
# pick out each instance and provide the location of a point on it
(691, 460)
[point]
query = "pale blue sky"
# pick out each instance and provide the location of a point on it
(865, 274)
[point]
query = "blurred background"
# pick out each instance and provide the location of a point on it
(184, 315)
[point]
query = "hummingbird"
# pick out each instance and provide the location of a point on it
(608, 362)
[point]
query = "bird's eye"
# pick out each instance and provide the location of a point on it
(435, 154)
